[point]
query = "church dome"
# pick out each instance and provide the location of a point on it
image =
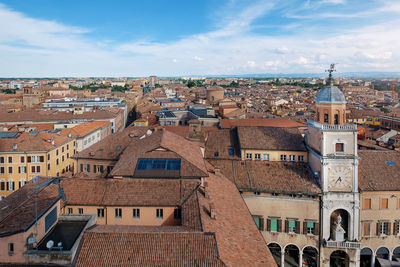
(330, 94)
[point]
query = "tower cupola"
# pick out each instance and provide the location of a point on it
(330, 103)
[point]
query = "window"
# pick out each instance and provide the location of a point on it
(384, 203)
(22, 183)
(118, 213)
(2, 185)
(86, 167)
(11, 185)
(339, 147)
(99, 168)
(56, 152)
(48, 156)
(326, 118)
(292, 226)
(310, 227)
(367, 203)
(10, 170)
(136, 213)
(257, 156)
(9, 159)
(266, 157)
(366, 228)
(1, 159)
(216, 154)
(274, 225)
(68, 147)
(22, 159)
(292, 157)
(249, 156)
(57, 162)
(67, 155)
(80, 211)
(383, 228)
(48, 166)
(2, 170)
(259, 221)
(22, 169)
(283, 157)
(177, 214)
(62, 149)
(62, 158)
(70, 211)
(10, 248)
(159, 213)
(301, 158)
(231, 151)
(100, 213)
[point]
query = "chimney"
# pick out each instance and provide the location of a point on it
(206, 193)
(15, 146)
(212, 211)
(217, 171)
(52, 142)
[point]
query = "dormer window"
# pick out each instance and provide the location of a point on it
(339, 147)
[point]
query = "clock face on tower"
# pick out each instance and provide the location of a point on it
(340, 178)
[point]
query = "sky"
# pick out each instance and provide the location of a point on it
(74, 38)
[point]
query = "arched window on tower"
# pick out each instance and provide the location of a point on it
(336, 119)
(326, 118)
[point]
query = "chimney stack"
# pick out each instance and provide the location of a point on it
(212, 211)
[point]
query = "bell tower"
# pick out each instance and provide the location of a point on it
(332, 146)
(330, 103)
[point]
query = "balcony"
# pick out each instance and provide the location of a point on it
(345, 127)
(342, 244)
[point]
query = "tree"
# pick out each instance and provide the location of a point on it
(385, 110)
(191, 84)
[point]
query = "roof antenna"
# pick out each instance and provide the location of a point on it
(330, 70)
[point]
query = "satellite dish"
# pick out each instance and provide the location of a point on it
(50, 244)
(59, 244)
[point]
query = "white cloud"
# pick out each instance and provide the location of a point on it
(336, 2)
(197, 58)
(33, 47)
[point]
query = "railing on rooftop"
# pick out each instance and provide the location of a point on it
(331, 127)
(343, 244)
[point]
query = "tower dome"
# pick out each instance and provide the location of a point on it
(330, 94)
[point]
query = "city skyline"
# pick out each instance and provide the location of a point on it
(49, 39)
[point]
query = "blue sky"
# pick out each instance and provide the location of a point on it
(47, 38)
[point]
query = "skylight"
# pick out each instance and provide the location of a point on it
(391, 163)
(159, 164)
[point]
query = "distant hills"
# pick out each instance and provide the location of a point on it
(363, 75)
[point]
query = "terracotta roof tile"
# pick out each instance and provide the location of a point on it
(271, 138)
(148, 249)
(270, 122)
(379, 170)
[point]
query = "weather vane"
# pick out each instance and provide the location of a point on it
(330, 70)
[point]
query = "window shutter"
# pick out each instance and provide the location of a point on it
(94, 168)
(81, 167)
(268, 224)
(41, 158)
(7, 186)
(377, 229)
(279, 225)
(395, 228)
(286, 226)
(305, 227)
(29, 159)
(316, 228)
(19, 184)
(262, 224)
(19, 169)
(388, 227)
(297, 227)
